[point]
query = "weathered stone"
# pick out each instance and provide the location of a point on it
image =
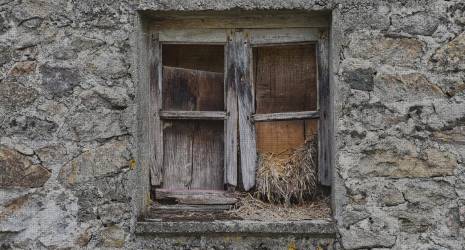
(358, 238)
(360, 79)
(5, 54)
(17, 170)
(450, 57)
(53, 154)
(107, 159)
(32, 22)
(401, 87)
(397, 51)
(59, 81)
(21, 148)
(23, 68)
(389, 164)
(420, 23)
(14, 96)
(108, 65)
(116, 96)
(391, 197)
(427, 194)
(113, 213)
(29, 126)
(113, 236)
(89, 125)
(13, 205)
(413, 221)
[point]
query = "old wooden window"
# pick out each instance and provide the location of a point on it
(222, 96)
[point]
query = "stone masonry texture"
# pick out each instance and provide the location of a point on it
(68, 141)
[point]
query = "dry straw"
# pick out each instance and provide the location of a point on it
(290, 176)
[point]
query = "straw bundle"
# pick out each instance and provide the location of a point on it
(288, 177)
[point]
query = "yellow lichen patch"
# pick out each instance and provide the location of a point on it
(292, 246)
(132, 164)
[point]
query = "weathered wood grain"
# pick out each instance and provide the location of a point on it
(196, 197)
(189, 90)
(208, 156)
(193, 115)
(245, 110)
(193, 35)
(177, 163)
(284, 35)
(302, 115)
(325, 149)
(155, 127)
(230, 129)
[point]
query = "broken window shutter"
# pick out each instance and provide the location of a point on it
(230, 163)
(325, 118)
(155, 131)
(245, 103)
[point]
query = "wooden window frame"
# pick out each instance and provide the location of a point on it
(239, 95)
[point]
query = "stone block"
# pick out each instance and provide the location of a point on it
(59, 81)
(16, 170)
(360, 79)
(15, 96)
(419, 23)
(450, 57)
(396, 51)
(107, 159)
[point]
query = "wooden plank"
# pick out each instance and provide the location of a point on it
(155, 128)
(245, 110)
(189, 90)
(232, 20)
(286, 116)
(193, 35)
(193, 115)
(280, 36)
(207, 156)
(230, 130)
(204, 57)
(182, 207)
(325, 151)
(196, 197)
(177, 161)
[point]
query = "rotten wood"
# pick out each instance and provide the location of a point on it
(193, 115)
(281, 36)
(325, 149)
(286, 116)
(196, 197)
(185, 207)
(193, 36)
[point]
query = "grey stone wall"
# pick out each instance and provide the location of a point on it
(68, 130)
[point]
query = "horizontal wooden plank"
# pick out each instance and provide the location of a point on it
(288, 35)
(193, 115)
(196, 197)
(185, 207)
(193, 36)
(286, 116)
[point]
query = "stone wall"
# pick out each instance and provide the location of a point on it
(68, 141)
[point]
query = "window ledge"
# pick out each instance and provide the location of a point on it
(324, 227)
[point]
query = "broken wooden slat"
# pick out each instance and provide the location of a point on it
(207, 156)
(245, 110)
(193, 35)
(230, 130)
(286, 116)
(193, 115)
(325, 102)
(196, 197)
(155, 133)
(280, 36)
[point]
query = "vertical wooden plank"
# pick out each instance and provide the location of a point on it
(230, 129)
(324, 102)
(178, 138)
(207, 155)
(246, 108)
(155, 132)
